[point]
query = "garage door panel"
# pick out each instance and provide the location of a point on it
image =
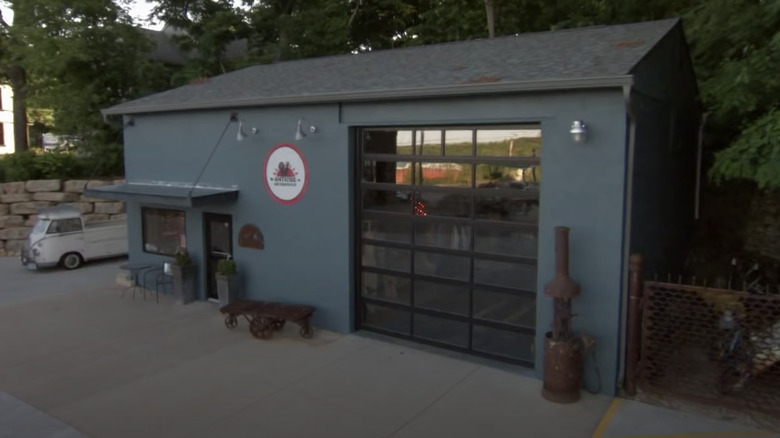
(442, 265)
(440, 297)
(513, 309)
(387, 318)
(449, 236)
(505, 274)
(443, 330)
(512, 242)
(443, 235)
(382, 257)
(386, 287)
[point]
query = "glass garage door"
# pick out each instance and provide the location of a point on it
(448, 238)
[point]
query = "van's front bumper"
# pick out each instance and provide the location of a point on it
(28, 258)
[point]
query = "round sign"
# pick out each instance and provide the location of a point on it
(286, 174)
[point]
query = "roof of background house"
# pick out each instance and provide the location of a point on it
(598, 56)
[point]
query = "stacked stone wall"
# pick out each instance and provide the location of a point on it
(21, 201)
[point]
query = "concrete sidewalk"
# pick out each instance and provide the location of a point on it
(91, 364)
(114, 367)
(632, 419)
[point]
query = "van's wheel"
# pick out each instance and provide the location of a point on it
(72, 260)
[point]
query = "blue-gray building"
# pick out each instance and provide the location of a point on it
(414, 192)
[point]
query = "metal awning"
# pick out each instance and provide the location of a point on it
(172, 195)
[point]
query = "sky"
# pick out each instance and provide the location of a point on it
(139, 10)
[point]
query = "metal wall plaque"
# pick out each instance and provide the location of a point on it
(250, 237)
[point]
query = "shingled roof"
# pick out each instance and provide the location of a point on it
(573, 58)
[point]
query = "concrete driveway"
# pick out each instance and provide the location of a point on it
(78, 361)
(106, 366)
(19, 284)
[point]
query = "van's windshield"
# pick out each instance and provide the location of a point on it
(40, 226)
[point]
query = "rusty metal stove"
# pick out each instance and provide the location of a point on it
(564, 353)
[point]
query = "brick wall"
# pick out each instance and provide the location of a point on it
(20, 203)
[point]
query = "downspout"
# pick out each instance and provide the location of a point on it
(699, 153)
(628, 197)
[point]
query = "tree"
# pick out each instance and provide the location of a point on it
(81, 56)
(736, 46)
(490, 10)
(204, 29)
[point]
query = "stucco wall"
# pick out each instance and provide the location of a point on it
(582, 188)
(663, 186)
(21, 201)
(307, 245)
(307, 257)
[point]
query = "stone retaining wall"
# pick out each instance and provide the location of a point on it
(20, 203)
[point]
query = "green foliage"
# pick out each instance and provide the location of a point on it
(79, 56)
(32, 165)
(226, 267)
(755, 155)
(736, 48)
(182, 258)
(38, 164)
(84, 55)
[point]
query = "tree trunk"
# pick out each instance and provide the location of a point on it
(18, 79)
(490, 12)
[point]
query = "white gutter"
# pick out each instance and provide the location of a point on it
(392, 94)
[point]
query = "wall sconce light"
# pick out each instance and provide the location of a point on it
(241, 135)
(300, 133)
(128, 121)
(578, 131)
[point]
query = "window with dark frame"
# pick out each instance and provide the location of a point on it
(2, 135)
(164, 231)
(448, 237)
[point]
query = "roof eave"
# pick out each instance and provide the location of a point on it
(391, 94)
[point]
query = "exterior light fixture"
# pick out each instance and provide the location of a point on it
(241, 135)
(578, 131)
(301, 133)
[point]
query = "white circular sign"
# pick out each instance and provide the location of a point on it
(286, 173)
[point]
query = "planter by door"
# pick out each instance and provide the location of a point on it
(227, 289)
(184, 278)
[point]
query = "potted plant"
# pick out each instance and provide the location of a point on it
(227, 286)
(183, 272)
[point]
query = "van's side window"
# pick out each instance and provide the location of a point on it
(64, 226)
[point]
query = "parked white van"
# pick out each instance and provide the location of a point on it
(62, 238)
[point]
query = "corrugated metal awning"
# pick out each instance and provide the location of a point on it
(172, 195)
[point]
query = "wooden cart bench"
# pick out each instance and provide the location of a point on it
(267, 317)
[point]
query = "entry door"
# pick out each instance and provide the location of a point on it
(219, 246)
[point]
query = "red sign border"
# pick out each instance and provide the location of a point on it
(305, 170)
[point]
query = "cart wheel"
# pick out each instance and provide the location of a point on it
(254, 327)
(307, 332)
(278, 324)
(261, 328)
(231, 321)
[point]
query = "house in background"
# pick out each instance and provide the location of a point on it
(6, 120)
(415, 192)
(165, 50)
